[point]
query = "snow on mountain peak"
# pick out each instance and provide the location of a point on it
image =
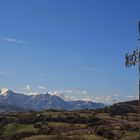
(4, 91)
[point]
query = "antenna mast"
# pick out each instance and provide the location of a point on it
(132, 59)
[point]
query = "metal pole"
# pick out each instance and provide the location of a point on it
(139, 81)
(139, 98)
(132, 59)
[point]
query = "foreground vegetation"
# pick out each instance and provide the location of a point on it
(112, 123)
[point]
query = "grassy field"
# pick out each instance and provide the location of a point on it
(68, 125)
(103, 115)
(40, 137)
(16, 128)
(43, 137)
(130, 134)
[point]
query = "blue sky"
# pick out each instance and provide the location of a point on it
(70, 47)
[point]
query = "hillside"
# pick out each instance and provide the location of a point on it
(123, 108)
(97, 124)
(11, 108)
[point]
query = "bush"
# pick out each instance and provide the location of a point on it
(37, 125)
(19, 136)
(120, 109)
(105, 132)
(94, 124)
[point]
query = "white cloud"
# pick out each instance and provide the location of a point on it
(71, 94)
(88, 99)
(72, 98)
(6, 73)
(106, 99)
(76, 92)
(132, 97)
(42, 87)
(116, 95)
(29, 91)
(57, 93)
(83, 92)
(28, 87)
(85, 96)
(13, 40)
(68, 91)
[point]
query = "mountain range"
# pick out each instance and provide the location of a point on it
(11, 101)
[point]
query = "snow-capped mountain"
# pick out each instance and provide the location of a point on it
(42, 101)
